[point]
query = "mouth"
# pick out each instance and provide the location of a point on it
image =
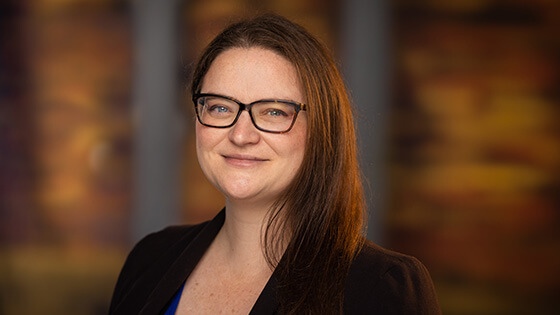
(243, 160)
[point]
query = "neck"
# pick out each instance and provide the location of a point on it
(241, 234)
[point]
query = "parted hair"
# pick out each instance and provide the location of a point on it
(316, 227)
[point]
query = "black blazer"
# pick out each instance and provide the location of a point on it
(379, 282)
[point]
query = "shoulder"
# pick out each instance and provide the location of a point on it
(155, 244)
(387, 282)
(153, 253)
(165, 243)
(374, 261)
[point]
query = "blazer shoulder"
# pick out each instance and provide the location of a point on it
(374, 260)
(167, 237)
(158, 248)
(157, 243)
(387, 282)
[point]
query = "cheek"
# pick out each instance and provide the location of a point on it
(203, 140)
(299, 154)
(300, 141)
(198, 140)
(296, 149)
(204, 136)
(207, 140)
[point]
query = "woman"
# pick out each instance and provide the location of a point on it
(275, 135)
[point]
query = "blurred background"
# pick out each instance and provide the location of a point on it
(458, 108)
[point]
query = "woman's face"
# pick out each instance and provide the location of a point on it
(244, 163)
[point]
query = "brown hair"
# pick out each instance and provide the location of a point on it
(322, 210)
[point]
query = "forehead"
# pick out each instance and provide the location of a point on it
(252, 73)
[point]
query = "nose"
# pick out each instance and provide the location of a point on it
(244, 132)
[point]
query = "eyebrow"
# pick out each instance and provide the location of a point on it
(259, 100)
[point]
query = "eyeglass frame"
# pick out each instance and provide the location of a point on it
(242, 106)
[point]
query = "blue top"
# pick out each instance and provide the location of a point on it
(174, 302)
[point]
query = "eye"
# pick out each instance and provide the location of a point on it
(275, 112)
(219, 109)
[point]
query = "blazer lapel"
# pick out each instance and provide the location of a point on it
(267, 303)
(178, 265)
(182, 267)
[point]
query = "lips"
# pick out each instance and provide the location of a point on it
(243, 160)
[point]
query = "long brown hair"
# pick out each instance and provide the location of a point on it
(321, 213)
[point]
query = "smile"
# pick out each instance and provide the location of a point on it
(243, 160)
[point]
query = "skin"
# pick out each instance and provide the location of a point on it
(251, 168)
